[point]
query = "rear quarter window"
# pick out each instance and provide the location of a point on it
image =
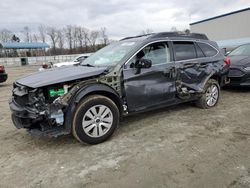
(208, 50)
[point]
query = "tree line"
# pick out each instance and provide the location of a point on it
(67, 40)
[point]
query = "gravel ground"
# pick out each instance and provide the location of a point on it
(181, 146)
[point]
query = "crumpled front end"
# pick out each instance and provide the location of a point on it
(33, 110)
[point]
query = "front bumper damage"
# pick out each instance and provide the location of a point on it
(31, 111)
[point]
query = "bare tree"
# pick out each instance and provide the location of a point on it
(93, 38)
(26, 33)
(60, 40)
(5, 35)
(68, 35)
(52, 33)
(104, 36)
(85, 33)
(34, 37)
(79, 36)
(42, 33)
(75, 36)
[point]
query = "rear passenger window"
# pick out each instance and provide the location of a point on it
(184, 50)
(199, 52)
(208, 50)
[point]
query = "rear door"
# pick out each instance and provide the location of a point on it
(188, 64)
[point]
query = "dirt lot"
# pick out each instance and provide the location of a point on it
(182, 146)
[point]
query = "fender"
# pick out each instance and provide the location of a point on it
(81, 93)
(96, 87)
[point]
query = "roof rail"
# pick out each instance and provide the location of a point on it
(136, 36)
(180, 34)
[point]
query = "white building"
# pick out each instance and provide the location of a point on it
(228, 30)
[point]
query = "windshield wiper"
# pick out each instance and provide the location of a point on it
(87, 65)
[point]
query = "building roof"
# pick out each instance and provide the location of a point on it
(23, 45)
(223, 15)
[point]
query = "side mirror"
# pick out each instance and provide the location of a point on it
(143, 64)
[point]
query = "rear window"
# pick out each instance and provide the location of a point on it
(184, 50)
(208, 50)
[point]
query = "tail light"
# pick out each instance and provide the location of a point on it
(2, 69)
(227, 61)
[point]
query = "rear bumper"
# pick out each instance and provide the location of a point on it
(3, 77)
(239, 77)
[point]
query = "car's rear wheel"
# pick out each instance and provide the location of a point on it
(211, 95)
(95, 119)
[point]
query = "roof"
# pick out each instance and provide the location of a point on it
(220, 16)
(23, 45)
(170, 35)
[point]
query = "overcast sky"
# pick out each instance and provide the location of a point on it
(120, 17)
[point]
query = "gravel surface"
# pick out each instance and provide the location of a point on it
(181, 146)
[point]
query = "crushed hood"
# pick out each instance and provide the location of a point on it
(59, 75)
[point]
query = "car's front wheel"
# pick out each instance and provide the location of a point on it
(211, 95)
(95, 119)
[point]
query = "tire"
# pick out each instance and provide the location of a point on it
(210, 88)
(95, 119)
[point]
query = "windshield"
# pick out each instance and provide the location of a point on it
(241, 51)
(110, 55)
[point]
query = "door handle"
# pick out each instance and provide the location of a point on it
(188, 65)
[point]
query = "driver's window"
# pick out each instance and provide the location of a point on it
(158, 53)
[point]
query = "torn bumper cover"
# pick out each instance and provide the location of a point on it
(30, 112)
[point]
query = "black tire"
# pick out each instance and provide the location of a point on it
(202, 101)
(81, 110)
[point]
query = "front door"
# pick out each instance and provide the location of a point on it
(150, 86)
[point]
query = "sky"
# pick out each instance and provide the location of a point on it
(120, 17)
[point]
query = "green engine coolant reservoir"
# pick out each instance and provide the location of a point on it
(56, 92)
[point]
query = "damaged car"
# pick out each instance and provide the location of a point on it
(239, 73)
(133, 75)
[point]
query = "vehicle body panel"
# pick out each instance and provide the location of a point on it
(59, 75)
(151, 87)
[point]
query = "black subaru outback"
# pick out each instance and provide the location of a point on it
(133, 75)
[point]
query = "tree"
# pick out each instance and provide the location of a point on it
(93, 38)
(5, 35)
(52, 33)
(104, 36)
(26, 32)
(60, 40)
(85, 33)
(68, 35)
(42, 33)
